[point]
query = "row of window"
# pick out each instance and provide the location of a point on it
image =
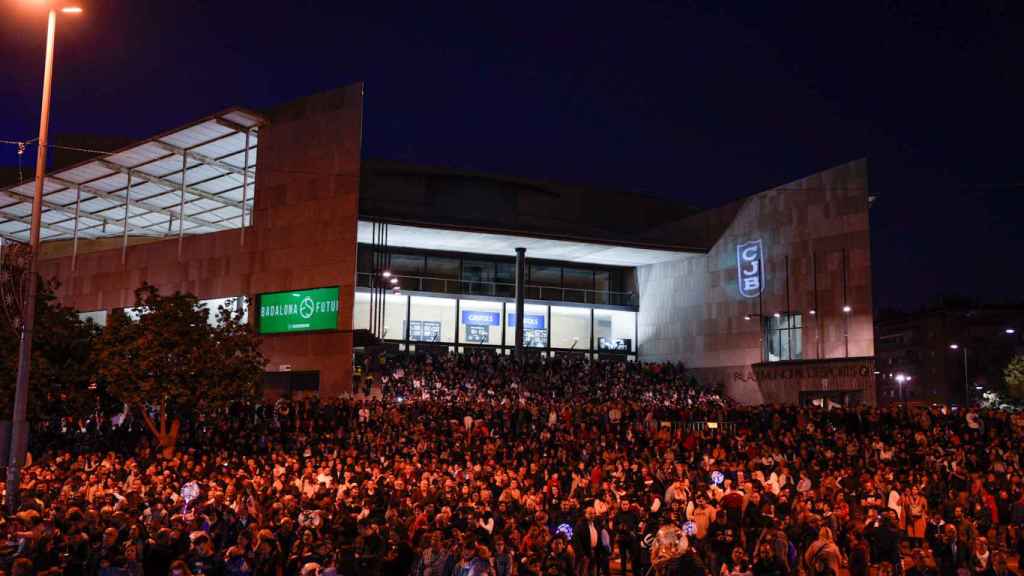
(463, 321)
(496, 276)
(783, 337)
(212, 306)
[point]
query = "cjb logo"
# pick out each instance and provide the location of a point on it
(750, 268)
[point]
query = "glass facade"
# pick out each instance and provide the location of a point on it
(431, 320)
(614, 330)
(394, 315)
(535, 325)
(570, 327)
(783, 337)
(495, 276)
(479, 322)
(212, 307)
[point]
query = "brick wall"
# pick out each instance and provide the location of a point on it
(691, 309)
(303, 235)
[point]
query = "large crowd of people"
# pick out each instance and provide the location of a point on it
(478, 465)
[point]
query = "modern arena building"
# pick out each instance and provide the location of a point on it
(769, 295)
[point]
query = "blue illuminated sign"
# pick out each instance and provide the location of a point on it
(530, 321)
(750, 268)
(478, 318)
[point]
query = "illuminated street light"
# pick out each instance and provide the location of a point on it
(386, 273)
(967, 383)
(1011, 331)
(777, 315)
(813, 312)
(19, 426)
(394, 280)
(847, 309)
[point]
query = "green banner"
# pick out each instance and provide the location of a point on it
(298, 311)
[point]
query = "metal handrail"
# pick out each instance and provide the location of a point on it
(505, 290)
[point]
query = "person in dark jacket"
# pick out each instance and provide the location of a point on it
(952, 553)
(920, 566)
(767, 562)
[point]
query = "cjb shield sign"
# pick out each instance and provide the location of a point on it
(750, 268)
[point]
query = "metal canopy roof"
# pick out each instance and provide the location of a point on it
(93, 199)
(407, 236)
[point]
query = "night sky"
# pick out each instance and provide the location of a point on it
(699, 103)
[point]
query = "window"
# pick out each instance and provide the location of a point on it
(480, 322)
(432, 319)
(784, 337)
(578, 284)
(212, 307)
(614, 331)
(505, 278)
(394, 314)
(535, 325)
(407, 264)
(443, 274)
(478, 277)
(570, 328)
(99, 317)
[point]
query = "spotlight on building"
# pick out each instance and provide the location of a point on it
(847, 309)
(1011, 330)
(746, 316)
(954, 346)
(394, 280)
(813, 312)
(777, 315)
(386, 273)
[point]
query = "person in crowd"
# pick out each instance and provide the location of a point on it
(823, 556)
(482, 464)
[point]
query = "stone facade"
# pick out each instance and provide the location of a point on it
(691, 309)
(303, 235)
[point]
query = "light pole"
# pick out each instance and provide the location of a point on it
(967, 391)
(19, 426)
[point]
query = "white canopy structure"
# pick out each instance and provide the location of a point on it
(196, 179)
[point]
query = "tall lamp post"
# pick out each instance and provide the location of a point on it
(19, 427)
(967, 383)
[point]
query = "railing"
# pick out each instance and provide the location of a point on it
(506, 290)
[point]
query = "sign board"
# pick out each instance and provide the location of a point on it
(830, 374)
(478, 334)
(750, 268)
(530, 321)
(298, 311)
(478, 318)
(424, 331)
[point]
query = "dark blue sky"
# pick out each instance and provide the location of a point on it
(703, 103)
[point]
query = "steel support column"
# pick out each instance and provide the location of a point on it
(520, 298)
(245, 187)
(74, 242)
(124, 237)
(181, 206)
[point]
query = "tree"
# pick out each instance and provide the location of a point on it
(1014, 375)
(62, 362)
(169, 360)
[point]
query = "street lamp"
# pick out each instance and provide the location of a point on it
(967, 391)
(19, 427)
